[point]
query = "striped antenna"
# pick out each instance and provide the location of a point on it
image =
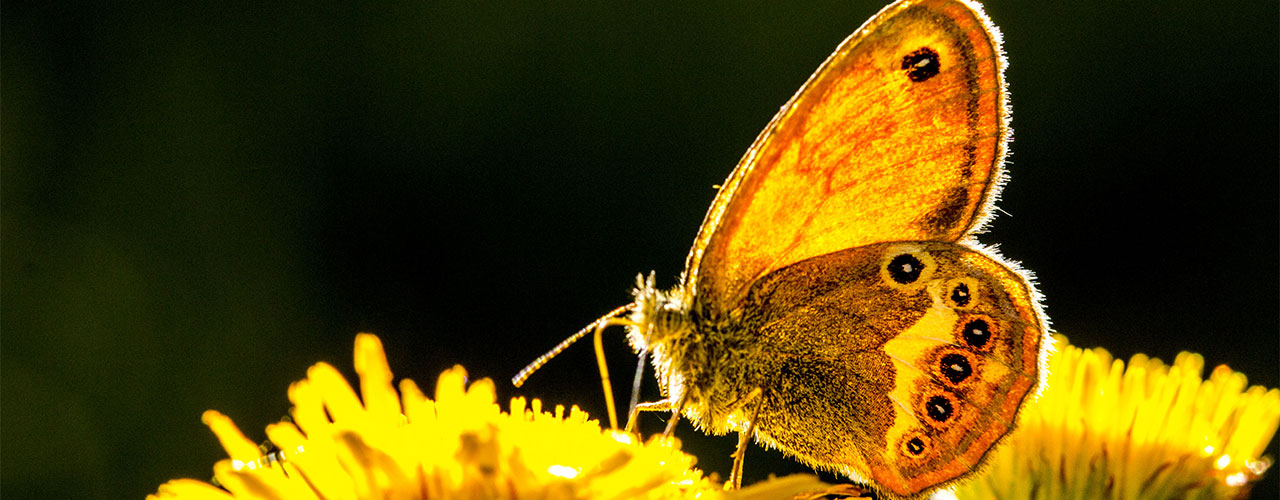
(524, 374)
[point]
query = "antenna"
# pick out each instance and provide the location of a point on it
(597, 326)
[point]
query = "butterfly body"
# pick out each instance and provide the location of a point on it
(837, 359)
(835, 304)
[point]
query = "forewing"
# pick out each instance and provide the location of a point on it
(899, 135)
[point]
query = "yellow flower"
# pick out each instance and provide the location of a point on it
(459, 445)
(1145, 431)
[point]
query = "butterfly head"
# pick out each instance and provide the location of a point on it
(661, 324)
(658, 316)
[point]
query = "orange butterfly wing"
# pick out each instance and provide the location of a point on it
(899, 135)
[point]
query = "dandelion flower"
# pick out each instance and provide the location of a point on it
(384, 445)
(459, 445)
(1145, 430)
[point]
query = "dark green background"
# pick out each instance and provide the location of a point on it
(200, 200)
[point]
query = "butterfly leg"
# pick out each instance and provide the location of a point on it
(744, 439)
(600, 325)
(633, 410)
(675, 406)
(672, 405)
(675, 415)
(634, 417)
(604, 373)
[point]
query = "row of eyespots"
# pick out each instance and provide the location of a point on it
(954, 366)
(907, 269)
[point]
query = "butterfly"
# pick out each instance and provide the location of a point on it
(835, 304)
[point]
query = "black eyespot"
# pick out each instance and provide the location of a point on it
(905, 269)
(977, 333)
(915, 446)
(938, 408)
(922, 64)
(960, 295)
(955, 367)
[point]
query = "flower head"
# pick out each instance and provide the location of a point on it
(1145, 430)
(458, 445)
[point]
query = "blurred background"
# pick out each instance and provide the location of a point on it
(202, 199)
